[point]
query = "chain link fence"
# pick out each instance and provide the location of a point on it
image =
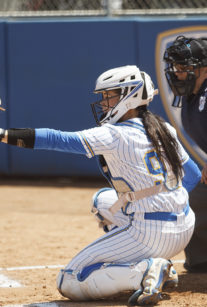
(101, 7)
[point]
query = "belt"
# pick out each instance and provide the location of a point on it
(165, 216)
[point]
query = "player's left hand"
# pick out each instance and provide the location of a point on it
(204, 174)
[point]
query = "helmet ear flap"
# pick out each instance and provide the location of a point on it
(148, 88)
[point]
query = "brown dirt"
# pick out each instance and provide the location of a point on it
(46, 222)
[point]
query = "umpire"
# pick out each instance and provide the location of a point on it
(186, 74)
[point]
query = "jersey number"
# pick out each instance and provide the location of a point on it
(153, 164)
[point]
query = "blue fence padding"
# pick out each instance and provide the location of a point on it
(48, 72)
(5, 154)
(52, 71)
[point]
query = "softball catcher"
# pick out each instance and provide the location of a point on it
(145, 213)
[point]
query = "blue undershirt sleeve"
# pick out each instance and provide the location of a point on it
(192, 175)
(51, 139)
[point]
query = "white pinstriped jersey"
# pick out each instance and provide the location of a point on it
(131, 158)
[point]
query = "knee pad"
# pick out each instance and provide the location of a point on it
(68, 286)
(100, 205)
(100, 280)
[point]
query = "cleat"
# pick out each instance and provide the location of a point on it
(157, 274)
(133, 298)
(152, 299)
(172, 280)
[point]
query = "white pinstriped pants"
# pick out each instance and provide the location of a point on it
(133, 241)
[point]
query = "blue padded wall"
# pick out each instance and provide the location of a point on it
(48, 69)
(52, 71)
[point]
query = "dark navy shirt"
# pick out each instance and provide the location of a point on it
(194, 116)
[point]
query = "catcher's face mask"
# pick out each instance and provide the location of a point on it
(181, 82)
(184, 59)
(105, 104)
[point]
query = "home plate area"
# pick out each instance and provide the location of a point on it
(6, 282)
(49, 222)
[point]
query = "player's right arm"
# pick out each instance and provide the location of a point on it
(89, 142)
(44, 138)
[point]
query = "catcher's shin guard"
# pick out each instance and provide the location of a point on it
(100, 280)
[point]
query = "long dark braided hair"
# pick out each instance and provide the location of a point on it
(164, 143)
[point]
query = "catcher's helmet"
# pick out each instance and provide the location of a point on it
(187, 52)
(135, 89)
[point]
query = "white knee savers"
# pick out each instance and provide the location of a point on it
(100, 280)
(101, 203)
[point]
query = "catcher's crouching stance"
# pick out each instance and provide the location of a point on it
(101, 280)
(145, 215)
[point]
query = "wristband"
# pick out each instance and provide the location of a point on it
(23, 137)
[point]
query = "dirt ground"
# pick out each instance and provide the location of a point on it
(46, 222)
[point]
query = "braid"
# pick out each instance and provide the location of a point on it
(164, 143)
